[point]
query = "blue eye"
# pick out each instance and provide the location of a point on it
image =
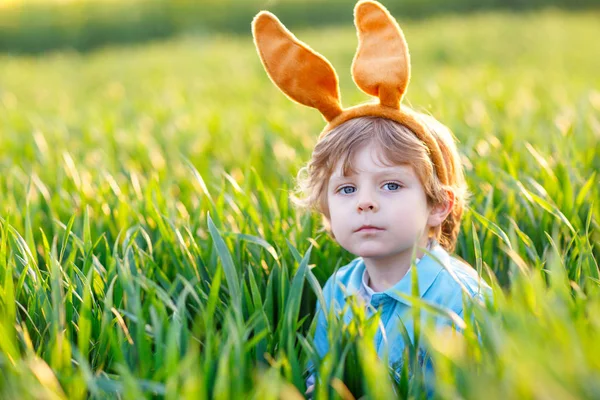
(394, 186)
(343, 189)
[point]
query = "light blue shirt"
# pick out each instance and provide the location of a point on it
(441, 283)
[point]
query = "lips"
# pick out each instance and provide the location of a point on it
(369, 228)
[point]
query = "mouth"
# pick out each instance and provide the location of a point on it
(369, 228)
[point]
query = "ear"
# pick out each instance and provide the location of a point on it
(301, 73)
(440, 212)
(381, 66)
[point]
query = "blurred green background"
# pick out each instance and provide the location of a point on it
(37, 25)
(115, 162)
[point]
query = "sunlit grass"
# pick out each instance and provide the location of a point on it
(148, 246)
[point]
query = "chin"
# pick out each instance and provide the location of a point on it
(371, 252)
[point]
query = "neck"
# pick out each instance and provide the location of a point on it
(384, 272)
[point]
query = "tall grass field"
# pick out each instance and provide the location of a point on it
(149, 249)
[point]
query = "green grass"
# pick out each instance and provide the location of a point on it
(36, 26)
(148, 247)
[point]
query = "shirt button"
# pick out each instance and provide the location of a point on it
(377, 300)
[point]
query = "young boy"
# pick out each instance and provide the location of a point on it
(386, 179)
(381, 200)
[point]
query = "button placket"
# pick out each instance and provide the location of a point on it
(381, 300)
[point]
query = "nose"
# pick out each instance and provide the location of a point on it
(367, 203)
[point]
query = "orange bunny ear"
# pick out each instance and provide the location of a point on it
(381, 66)
(301, 73)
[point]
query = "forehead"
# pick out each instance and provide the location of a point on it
(370, 159)
(404, 172)
(375, 171)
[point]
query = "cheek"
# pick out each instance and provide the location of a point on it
(412, 209)
(336, 206)
(337, 217)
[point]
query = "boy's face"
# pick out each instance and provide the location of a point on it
(391, 199)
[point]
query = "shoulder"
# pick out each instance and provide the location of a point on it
(455, 279)
(465, 275)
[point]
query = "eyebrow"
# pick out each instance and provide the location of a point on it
(337, 178)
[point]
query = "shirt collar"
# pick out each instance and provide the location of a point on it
(428, 268)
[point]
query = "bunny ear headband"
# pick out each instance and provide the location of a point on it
(381, 68)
